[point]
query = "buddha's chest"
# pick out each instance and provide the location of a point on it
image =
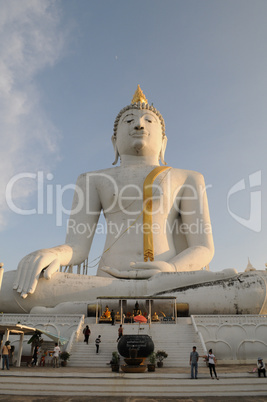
(125, 192)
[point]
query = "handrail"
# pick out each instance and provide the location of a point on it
(199, 334)
(70, 343)
(75, 335)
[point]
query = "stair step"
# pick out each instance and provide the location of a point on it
(142, 385)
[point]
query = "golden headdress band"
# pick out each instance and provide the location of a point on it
(139, 101)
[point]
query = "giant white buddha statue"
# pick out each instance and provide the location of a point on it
(155, 210)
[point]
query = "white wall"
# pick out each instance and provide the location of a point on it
(235, 337)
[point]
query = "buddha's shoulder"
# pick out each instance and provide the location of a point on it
(186, 174)
(99, 173)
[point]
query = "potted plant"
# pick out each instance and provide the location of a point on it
(152, 362)
(64, 356)
(160, 356)
(115, 366)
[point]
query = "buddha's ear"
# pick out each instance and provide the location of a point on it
(163, 149)
(114, 143)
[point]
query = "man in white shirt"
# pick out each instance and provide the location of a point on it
(56, 356)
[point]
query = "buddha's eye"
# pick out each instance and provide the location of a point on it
(129, 121)
(149, 121)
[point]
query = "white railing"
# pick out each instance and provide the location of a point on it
(24, 319)
(75, 335)
(70, 343)
(199, 334)
(231, 319)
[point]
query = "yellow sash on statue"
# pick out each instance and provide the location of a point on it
(147, 212)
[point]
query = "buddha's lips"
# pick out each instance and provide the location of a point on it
(140, 134)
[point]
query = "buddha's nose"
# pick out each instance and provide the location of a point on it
(139, 125)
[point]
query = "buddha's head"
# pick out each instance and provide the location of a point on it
(139, 129)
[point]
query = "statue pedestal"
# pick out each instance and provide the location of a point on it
(133, 369)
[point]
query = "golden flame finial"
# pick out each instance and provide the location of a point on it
(139, 96)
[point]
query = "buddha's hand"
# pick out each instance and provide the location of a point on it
(141, 270)
(30, 268)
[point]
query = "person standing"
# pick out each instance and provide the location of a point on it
(120, 333)
(87, 333)
(43, 356)
(97, 343)
(35, 356)
(194, 362)
(5, 353)
(261, 367)
(212, 361)
(112, 317)
(56, 356)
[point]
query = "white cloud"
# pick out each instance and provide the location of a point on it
(31, 40)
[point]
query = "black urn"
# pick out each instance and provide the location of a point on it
(141, 344)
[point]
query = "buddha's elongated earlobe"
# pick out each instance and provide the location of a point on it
(163, 149)
(113, 139)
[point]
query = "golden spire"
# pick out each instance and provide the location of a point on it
(139, 96)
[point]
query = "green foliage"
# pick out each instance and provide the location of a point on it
(152, 358)
(161, 355)
(64, 356)
(36, 338)
(115, 358)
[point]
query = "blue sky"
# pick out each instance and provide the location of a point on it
(68, 67)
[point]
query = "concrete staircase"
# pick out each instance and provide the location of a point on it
(176, 339)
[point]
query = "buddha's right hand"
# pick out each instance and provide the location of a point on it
(30, 268)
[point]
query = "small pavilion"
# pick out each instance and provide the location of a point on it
(122, 305)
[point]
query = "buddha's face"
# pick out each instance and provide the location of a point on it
(139, 132)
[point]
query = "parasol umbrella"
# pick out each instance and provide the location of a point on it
(140, 318)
